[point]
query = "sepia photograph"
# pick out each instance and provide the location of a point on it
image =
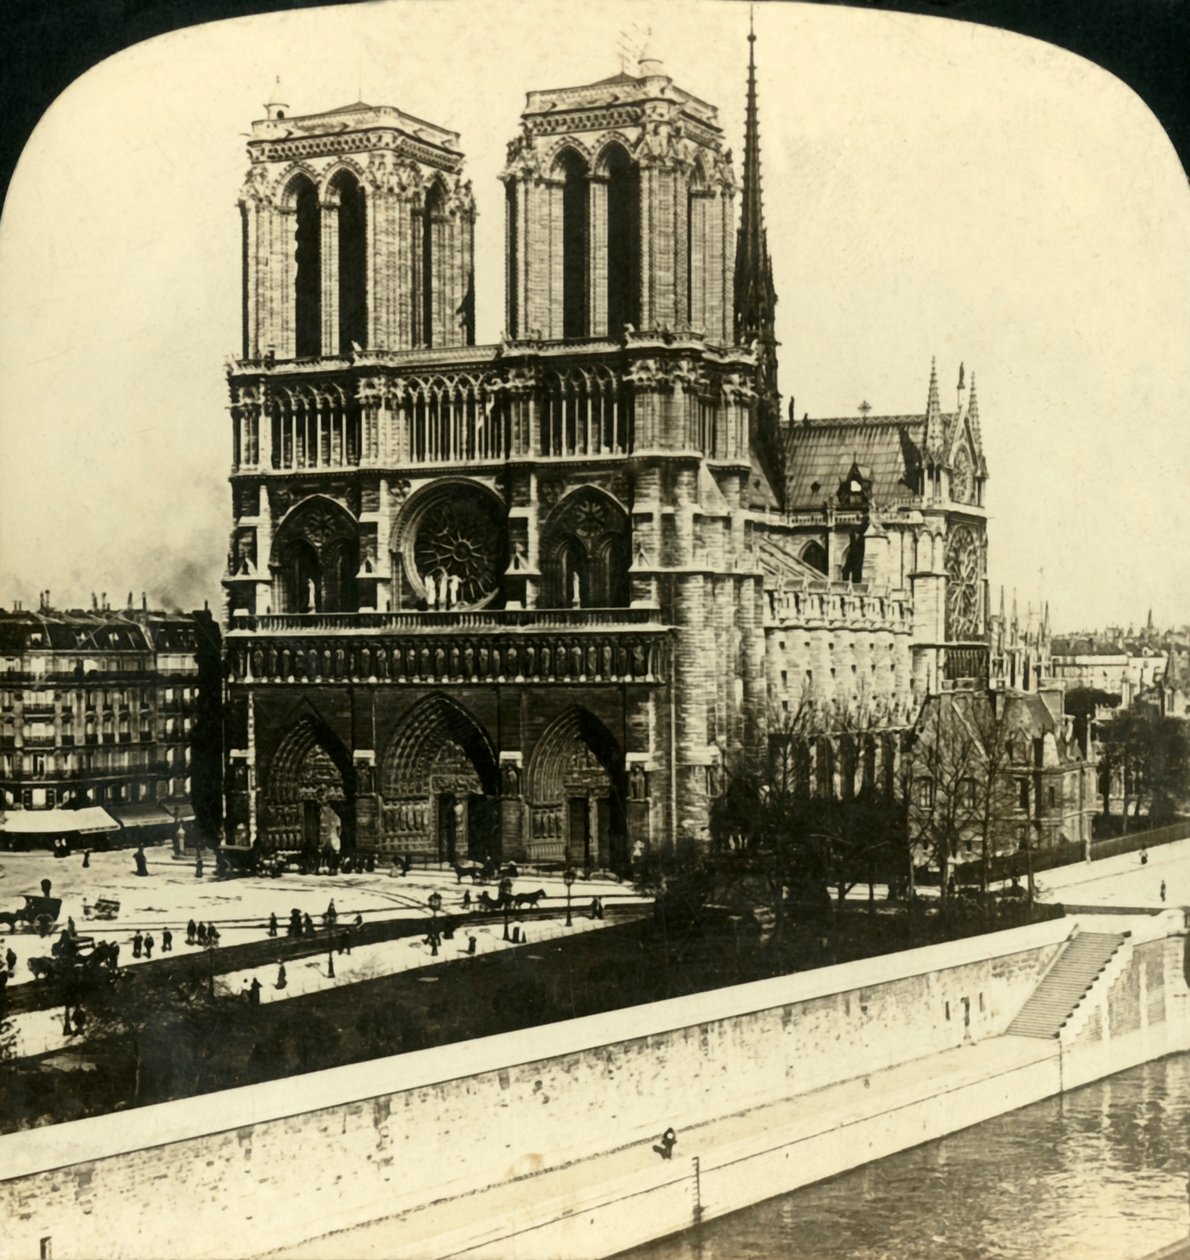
(595, 641)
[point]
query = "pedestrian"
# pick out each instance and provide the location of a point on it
(331, 914)
(167, 941)
(467, 899)
(358, 920)
(307, 925)
(212, 935)
(246, 992)
(254, 992)
(281, 978)
(272, 925)
(10, 960)
(3, 985)
(142, 866)
(198, 866)
(200, 934)
(471, 944)
(666, 1144)
(80, 1020)
(1163, 890)
(86, 858)
(148, 944)
(191, 931)
(1144, 857)
(137, 942)
(71, 930)
(46, 885)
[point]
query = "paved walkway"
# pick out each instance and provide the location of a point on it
(489, 1216)
(1123, 881)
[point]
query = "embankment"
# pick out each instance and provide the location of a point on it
(541, 1140)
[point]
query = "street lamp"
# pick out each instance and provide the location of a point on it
(568, 880)
(506, 901)
(435, 906)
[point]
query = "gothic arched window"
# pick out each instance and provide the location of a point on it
(353, 291)
(814, 554)
(431, 254)
(307, 285)
(623, 241)
(573, 171)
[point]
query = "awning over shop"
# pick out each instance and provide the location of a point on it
(147, 814)
(44, 822)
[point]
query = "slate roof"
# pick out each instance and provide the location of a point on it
(819, 454)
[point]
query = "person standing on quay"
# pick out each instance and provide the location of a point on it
(167, 941)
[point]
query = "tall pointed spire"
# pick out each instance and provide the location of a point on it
(935, 439)
(756, 298)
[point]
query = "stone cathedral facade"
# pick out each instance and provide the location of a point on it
(539, 599)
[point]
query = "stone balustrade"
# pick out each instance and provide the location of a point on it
(433, 622)
(854, 605)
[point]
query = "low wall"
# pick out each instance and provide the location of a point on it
(271, 1165)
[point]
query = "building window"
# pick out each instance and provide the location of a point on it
(1053, 798)
(967, 793)
(924, 792)
(1022, 793)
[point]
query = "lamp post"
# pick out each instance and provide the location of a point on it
(506, 901)
(568, 880)
(435, 906)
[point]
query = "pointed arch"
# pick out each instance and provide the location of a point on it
(623, 238)
(345, 189)
(308, 792)
(439, 779)
(315, 558)
(586, 552)
(572, 169)
(430, 218)
(814, 554)
(301, 193)
(576, 785)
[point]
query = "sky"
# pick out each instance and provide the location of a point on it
(931, 188)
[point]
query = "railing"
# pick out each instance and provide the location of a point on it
(489, 619)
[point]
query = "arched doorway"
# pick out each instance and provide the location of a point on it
(440, 784)
(576, 786)
(309, 800)
(586, 554)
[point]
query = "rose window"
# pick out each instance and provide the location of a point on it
(460, 549)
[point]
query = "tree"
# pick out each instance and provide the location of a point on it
(1150, 755)
(988, 717)
(942, 766)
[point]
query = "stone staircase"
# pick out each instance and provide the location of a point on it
(1065, 984)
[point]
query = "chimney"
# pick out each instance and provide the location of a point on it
(144, 602)
(103, 601)
(94, 603)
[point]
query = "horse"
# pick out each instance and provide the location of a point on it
(42, 968)
(528, 900)
(461, 872)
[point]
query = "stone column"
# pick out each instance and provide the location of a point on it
(597, 258)
(329, 245)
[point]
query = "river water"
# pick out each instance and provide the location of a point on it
(1102, 1173)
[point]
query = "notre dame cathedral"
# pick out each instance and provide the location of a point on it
(539, 599)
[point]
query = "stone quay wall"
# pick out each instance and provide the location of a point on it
(271, 1165)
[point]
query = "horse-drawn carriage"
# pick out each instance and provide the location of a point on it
(105, 907)
(76, 954)
(38, 914)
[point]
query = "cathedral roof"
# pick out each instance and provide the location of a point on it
(819, 454)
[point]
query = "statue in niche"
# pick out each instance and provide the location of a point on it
(454, 662)
(576, 591)
(530, 660)
(439, 662)
(638, 783)
(512, 659)
(454, 584)
(545, 661)
(519, 559)
(468, 661)
(311, 596)
(431, 584)
(607, 660)
(484, 660)
(511, 775)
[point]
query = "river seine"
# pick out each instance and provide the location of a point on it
(1102, 1173)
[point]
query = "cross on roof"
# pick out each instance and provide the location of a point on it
(865, 407)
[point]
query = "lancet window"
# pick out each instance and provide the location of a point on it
(585, 412)
(451, 419)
